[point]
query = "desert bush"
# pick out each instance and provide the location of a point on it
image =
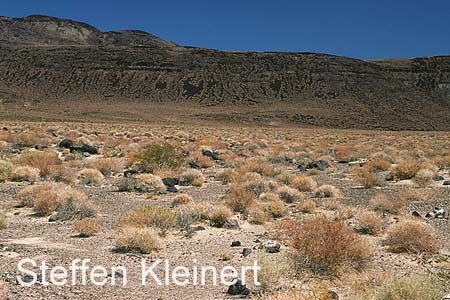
(89, 176)
(181, 199)
(160, 156)
(219, 216)
(368, 179)
(192, 177)
(412, 286)
(415, 195)
(370, 223)
(256, 165)
(378, 164)
(201, 160)
(250, 176)
(227, 176)
(63, 173)
(142, 240)
(261, 186)
(108, 166)
(87, 227)
(382, 202)
(327, 191)
(406, 169)
(6, 169)
(412, 236)
(49, 197)
(274, 273)
(285, 177)
(42, 160)
(25, 173)
(150, 183)
(307, 206)
(326, 244)
(343, 152)
(240, 200)
(289, 195)
(275, 207)
(159, 217)
(3, 220)
(424, 177)
(303, 183)
(258, 216)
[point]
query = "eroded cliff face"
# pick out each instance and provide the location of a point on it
(48, 58)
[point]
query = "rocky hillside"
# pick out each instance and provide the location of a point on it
(45, 58)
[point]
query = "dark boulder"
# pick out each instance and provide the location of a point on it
(88, 149)
(194, 165)
(320, 165)
(237, 288)
(172, 189)
(65, 144)
(213, 154)
(438, 178)
(171, 182)
(235, 244)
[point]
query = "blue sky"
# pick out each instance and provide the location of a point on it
(356, 28)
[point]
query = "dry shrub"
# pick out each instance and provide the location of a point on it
(368, 179)
(181, 199)
(370, 223)
(63, 173)
(384, 203)
(192, 177)
(25, 173)
(4, 291)
(285, 177)
(251, 176)
(160, 217)
(406, 169)
(318, 294)
(6, 169)
(307, 207)
(258, 217)
(290, 195)
(90, 177)
(87, 227)
(261, 186)
(49, 197)
(240, 200)
(378, 164)
(274, 273)
(303, 183)
(424, 177)
(228, 176)
(327, 191)
(3, 221)
(256, 165)
(412, 236)
(415, 195)
(219, 216)
(150, 183)
(275, 207)
(202, 160)
(343, 152)
(108, 166)
(42, 160)
(137, 239)
(326, 244)
(411, 286)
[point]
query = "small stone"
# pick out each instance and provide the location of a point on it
(438, 178)
(447, 182)
(237, 288)
(246, 252)
(271, 246)
(235, 244)
(416, 214)
(172, 189)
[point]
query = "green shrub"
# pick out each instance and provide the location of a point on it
(160, 156)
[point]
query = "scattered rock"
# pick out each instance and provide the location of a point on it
(447, 182)
(235, 244)
(416, 214)
(237, 288)
(67, 144)
(332, 295)
(320, 164)
(232, 224)
(438, 178)
(194, 165)
(130, 172)
(171, 182)
(271, 246)
(213, 154)
(172, 189)
(197, 228)
(438, 213)
(246, 252)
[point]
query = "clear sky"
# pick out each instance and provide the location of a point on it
(357, 28)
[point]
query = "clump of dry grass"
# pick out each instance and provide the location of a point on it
(327, 191)
(89, 176)
(49, 197)
(307, 206)
(42, 160)
(378, 164)
(3, 221)
(219, 216)
(406, 169)
(384, 203)
(6, 169)
(138, 239)
(192, 177)
(412, 236)
(63, 173)
(181, 199)
(370, 223)
(273, 205)
(326, 244)
(201, 160)
(240, 200)
(303, 183)
(274, 273)
(258, 217)
(87, 227)
(150, 183)
(290, 195)
(228, 176)
(411, 286)
(159, 217)
(256, 165)
(424, 177)
(367, 178)
(25, 173)
(108, 166)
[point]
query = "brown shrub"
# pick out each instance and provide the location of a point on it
(137, 239)
(368, 179)
(307, 207)
(160, 217)
(290, 195)
(90, 177)
(378, 164)
(42, 160)
(201, 160)
(87, 227)
(258, 217)
(181, 199)
(240, 200)
(108, 166)
(303, 183)
(384, 203)
(424, 177)
(192, 177)
(63, 173)
(219, 216)
(412, 236)
(342, 152)
(25, 173)
(406, 169)
(326, 244)
(327, 191)
(370, 223)
(256, 165)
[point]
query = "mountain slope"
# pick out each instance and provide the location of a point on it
(47, 60)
